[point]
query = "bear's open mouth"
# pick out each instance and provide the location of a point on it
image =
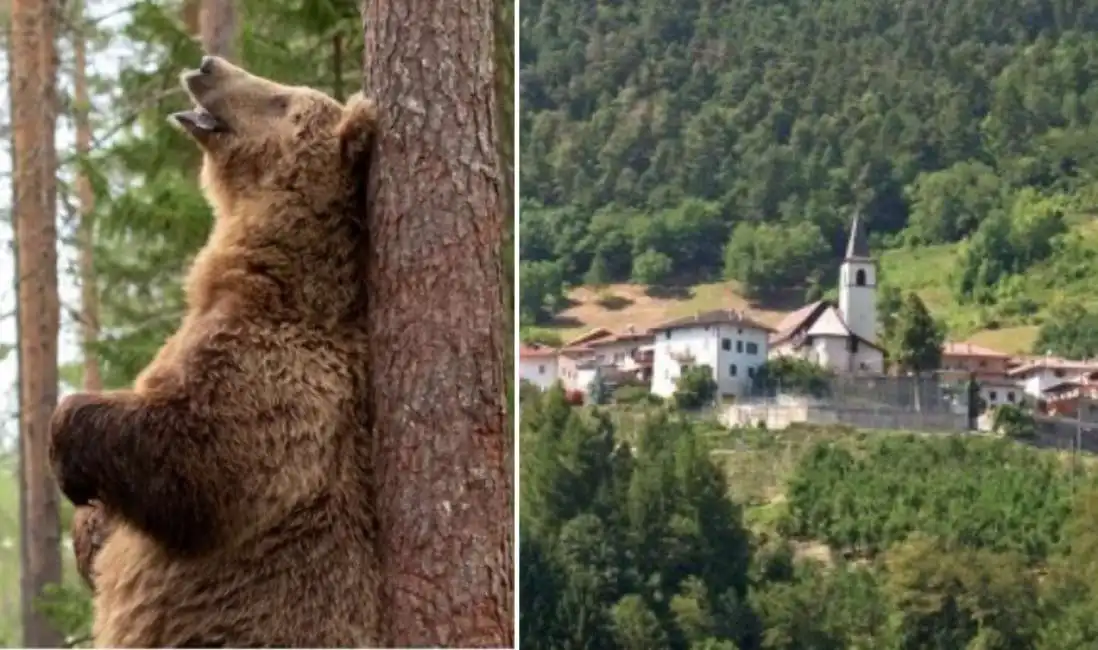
(199, 120)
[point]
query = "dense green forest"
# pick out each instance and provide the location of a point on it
(735, 140)
(677, 535)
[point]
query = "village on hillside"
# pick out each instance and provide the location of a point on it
(841, 338)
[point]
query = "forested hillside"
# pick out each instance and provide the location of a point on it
(651, 135)
(682, 537)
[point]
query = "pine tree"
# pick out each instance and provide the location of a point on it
(33, 69)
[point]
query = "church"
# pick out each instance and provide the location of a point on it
(841, 337)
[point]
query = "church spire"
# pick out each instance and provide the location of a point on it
(858, 246)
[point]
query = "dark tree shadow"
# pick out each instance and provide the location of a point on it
(614, 303)
(669, 292)
(779, 300)
(563, 322)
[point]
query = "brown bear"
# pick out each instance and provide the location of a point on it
(233, 478)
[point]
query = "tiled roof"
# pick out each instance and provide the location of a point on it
(793, 321)
(1052, 363)
(970, 350)
(588, 336)
(536, 352)
(715, 317)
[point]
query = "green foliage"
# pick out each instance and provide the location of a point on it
(651, 267)
(764, 257)
(1071, 331)
(951, 125)
(695, 388)
(911, 337)
(1014, 421)
(598, 392)
(1008, 244)
(1011, 500)
(817, 608)
(625, 546)
(636, 625)
(69, 610)
(792, 375)
(535, 336)
(631, 394)
(949, 204)
(541, 290)
(948, 597)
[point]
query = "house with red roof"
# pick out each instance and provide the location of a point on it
(538, 365)
(990, 368)
(616, 357)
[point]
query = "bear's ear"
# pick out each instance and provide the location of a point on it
(357, 128)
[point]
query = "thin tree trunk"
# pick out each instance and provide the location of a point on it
(437, 329)
(34, 69)
(217, 25)
(337, 67)
(190, 13)
(89, 295)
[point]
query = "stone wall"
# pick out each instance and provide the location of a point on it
(781, 414)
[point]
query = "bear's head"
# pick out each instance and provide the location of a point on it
(262, 139)
(285, 170)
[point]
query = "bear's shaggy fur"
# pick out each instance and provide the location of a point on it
(231, 480)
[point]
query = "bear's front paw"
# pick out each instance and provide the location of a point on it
(72, 433)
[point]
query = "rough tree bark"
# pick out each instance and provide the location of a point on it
(437, 329)
(89, 296)
(217, 27)
(34, 106)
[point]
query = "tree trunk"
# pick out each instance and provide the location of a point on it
(89, 295)
(435, 220)
(33, 71)
(217, 25)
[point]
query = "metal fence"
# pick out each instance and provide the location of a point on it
(924, 394)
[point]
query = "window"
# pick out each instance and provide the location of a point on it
(992, 396)
(739, 346)
(541, 370)
(739, 331)
(853, 344)
(751, 372)
(726, 344)
(1010, 397)
(667, 335)
(752, 348)
(732, 370)
(859, 278)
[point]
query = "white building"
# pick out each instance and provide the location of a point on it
(729, 342)
(843, 337)
(1037, 374)
(538, 365)
(858, 285)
